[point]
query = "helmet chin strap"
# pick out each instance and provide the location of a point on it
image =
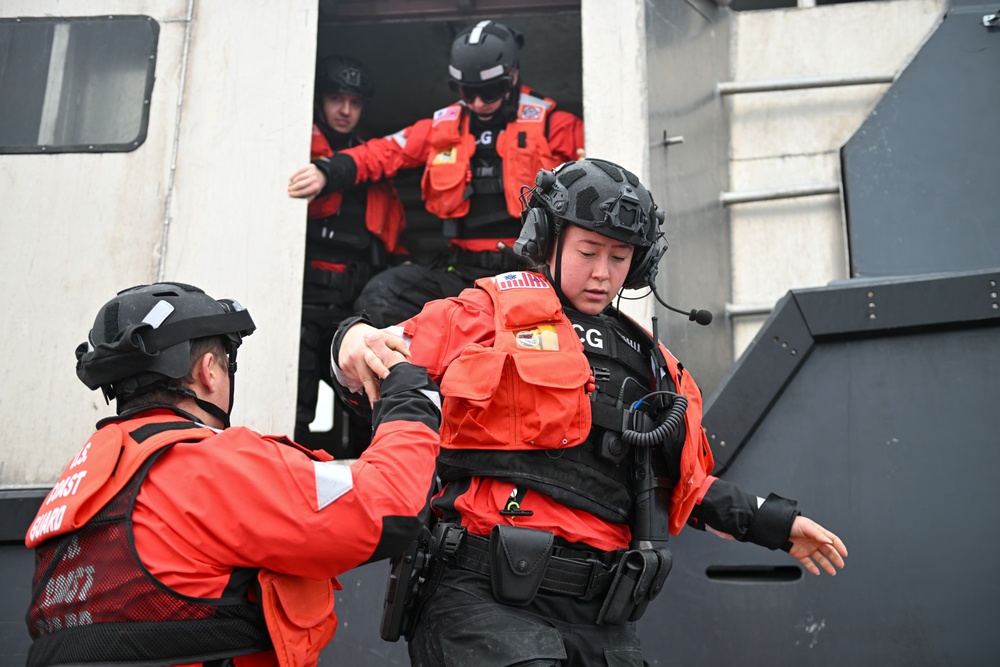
(206, 406)
(557, 278)
(212, 408)
(215, 410)
(508, 109)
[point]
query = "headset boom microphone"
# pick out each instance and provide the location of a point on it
(702, 317)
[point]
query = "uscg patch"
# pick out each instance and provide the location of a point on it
(520, 279)
(530, 112)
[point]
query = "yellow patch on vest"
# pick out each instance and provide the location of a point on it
(542, 337)
(445, 157)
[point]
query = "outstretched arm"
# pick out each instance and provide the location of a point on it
(383, 157)
(566, 136)
(313, 516)
(432, 339)
(773, 522)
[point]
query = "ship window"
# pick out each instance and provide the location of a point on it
(80, 84)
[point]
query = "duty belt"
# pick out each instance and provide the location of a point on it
(584, 578)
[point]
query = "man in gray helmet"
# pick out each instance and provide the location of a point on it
(477, 154)
(172, 538)
(350, 236)
(571, 446)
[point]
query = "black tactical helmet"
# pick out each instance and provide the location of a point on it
(599, 196)
(142, 338)
(484, 57)
(340, 74)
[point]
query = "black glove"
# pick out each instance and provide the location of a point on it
(340, 171)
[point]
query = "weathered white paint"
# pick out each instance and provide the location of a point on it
(615, 94)
(793, 138)
(249, 99)
(76, 228)
(614, 82)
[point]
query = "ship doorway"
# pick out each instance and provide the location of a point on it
(406, 46)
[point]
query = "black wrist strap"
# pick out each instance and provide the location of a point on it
(772, 522)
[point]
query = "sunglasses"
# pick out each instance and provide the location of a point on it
(487, 92)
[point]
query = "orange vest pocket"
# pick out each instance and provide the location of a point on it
(299, 614)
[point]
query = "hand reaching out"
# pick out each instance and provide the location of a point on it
(814, 546)
(387, 357)
(306, 183)
(367, 354)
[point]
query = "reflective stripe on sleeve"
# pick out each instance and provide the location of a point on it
(333, 479)
(434, 397)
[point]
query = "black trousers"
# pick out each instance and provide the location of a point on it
(461, 624)
(318, 326)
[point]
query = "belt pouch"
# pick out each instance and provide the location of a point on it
(518, 559)
(664, 561)
(638, 579)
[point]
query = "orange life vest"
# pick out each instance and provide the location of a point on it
(525, 392)
(97, 562)
(522, 147)
(384, 214)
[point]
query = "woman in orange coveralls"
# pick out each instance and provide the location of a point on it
(571, 444)
(173, 539)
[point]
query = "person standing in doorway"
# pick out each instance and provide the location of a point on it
(477, 155)
(350, 235)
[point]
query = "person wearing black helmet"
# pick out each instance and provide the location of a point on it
(350, 236)
(477, 154)
(172, 538)
(571, 445)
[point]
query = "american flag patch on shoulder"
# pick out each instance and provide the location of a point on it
(448, 113)
(520, 279)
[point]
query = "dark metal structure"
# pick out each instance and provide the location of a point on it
(17, 509)
(921, 175)
(874, 404)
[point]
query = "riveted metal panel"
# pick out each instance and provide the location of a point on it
(891, 443)
(920, 175)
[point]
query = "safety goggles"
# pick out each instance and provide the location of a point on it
(487, 92)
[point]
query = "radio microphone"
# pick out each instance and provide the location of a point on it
(702, 317)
